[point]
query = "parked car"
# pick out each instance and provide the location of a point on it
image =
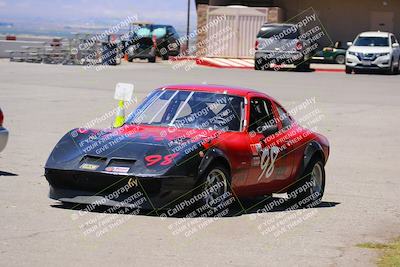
(333, 54)
(184, 140)
(3, 132)
(373, 51)
(150, 40)
(142, 47)
(271, 48)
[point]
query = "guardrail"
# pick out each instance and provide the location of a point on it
(78, 50)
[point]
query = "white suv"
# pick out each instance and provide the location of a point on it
(373, 50)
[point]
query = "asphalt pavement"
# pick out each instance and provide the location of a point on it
(361, 203)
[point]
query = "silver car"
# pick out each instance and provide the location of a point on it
(280, 44)
(3, 133)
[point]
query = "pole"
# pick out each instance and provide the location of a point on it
(187, 28)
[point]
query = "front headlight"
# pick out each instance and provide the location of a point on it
(382, 54)
(353, 53)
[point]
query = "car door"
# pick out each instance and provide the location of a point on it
(271, 162)
(173, 44)
(396, 48)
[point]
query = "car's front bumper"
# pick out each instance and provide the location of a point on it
(355, 62)
(89, 187)
(3, 138)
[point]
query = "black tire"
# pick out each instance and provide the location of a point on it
(398, 66)
(130, 59)
(303, 66)
(340, 59)
(165, 57)
(309, 189)
(260, 65)
(392, 70)
(210, 179)
(349, 70)
(152, 60)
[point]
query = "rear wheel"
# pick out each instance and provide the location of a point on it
(304, 66)
(258, 65)
(309, 189)
(340, 59)
(165, 57)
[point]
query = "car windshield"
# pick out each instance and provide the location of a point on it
(281, 32)
(156, 26)
(148, 30)
(190, 109)
(372, 41)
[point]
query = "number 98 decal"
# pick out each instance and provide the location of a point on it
(160, 160)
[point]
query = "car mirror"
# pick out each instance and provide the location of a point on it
(268, 130)
(395, 45)
(349, 43)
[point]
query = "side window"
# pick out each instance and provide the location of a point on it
(392, 39)
(260, 114)
(171, 31)
(283, 116)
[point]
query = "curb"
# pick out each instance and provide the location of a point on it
(206, 63)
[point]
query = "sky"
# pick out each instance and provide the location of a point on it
(95, 11)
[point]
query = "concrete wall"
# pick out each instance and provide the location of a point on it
(343, 20)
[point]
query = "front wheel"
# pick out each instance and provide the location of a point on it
(213, 188)
(349, 70)
(398, 66)
(392, 69)
(309, 189)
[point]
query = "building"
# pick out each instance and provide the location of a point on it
(342, 20)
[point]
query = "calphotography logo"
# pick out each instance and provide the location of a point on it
(268, 158)
(133, 182)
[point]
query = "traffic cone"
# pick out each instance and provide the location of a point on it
(120, 117)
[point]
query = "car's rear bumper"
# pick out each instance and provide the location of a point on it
(141, 56)
(3, 138)
(279, 57)
(108, 189)
(142, 53)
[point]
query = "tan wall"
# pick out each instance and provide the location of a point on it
(343, 20)
(201, 22)
(275, 14)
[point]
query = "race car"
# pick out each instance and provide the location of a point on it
(198, 142)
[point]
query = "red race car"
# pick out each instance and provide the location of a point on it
(202, 142)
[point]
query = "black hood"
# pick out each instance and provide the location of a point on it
(142, 153)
